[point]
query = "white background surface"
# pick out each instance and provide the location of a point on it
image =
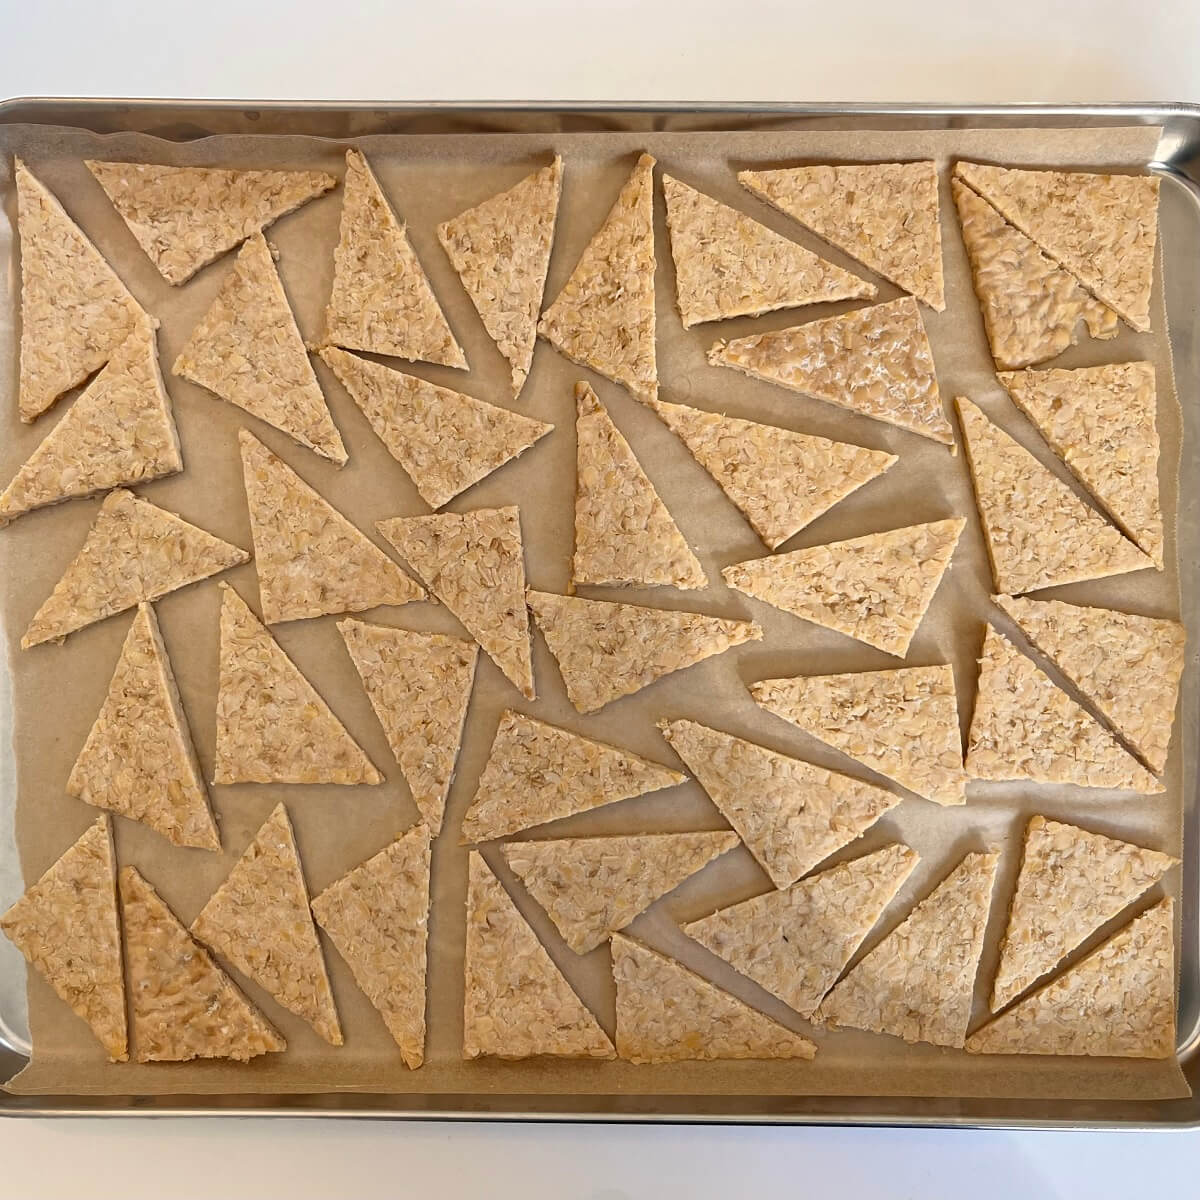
(949, 50)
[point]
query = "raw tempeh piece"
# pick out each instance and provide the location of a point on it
(1128, 666)
(133, 552)
(902, 723)
(517, 1003)
(728, 265)
(605, 651)
(474, 564)
(795, 943)
(781, 480)
(445, 440)
(381, 300)
(604, 316)
(791, 814)
(183, 1005)
(75, 312)
(259, 921)
(1119, 1002)
(1101, 421)
(185, 217)
(591, 887)
(501, 251)
(666, 1013)
(272, 726)
(1031, 309)
(310, 560)
(875, 361)
(119, 431)
(139, 760)
(624, 533)
(419, 685)
(1039, 533)
(66, 926)
(1101, 228)
(378, 918)
(1026, 727)
(1071, 883)
(537, 773)
(918, 982)
(883, 214)
(875, 588)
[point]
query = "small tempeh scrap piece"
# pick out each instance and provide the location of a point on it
(1031, 308)
(445, 440)
(875, 361)
(378, 918)
(918, 983)
(247, 350)
(517, 1004)
(795, 943)
(501, 251)
(729, 265)
(1039, 533)
(133, 552)
(259, 921)
(66, 926)
(537, 773)
(604, 316)
(139, 760)
(1026, 727)
(183, 1005)
(1071, 883)
(185, 217)
(310, 560)
(902, 723)
(419, 685)
(1101, 421)
(779, 479)
(883, 214)
(272, 726)
(75, 312)
(1101, 228)
(666, 1013)
(624, 533)
(605, 651)
(875, 588)
(791, 814)
(1128, 666)
(591, 887)
(381, 299)
(474, 563)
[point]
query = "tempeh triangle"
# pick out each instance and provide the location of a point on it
(604, 316)
(605, 651)
(259, 921)
(66, 926)
(876, 588)
(445, 440)
(517, 1003)
(247, 350)
(133, 552)
(624, 533)
(474, 563)
(875, 361)
(791, 814)
(139, 760)
(501, 251)
(918, 983)
(272, 726)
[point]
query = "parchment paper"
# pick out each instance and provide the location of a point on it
(58, 689)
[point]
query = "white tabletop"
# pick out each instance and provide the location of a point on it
(939, 50)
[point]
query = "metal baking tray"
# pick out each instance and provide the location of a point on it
(1176, 157)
